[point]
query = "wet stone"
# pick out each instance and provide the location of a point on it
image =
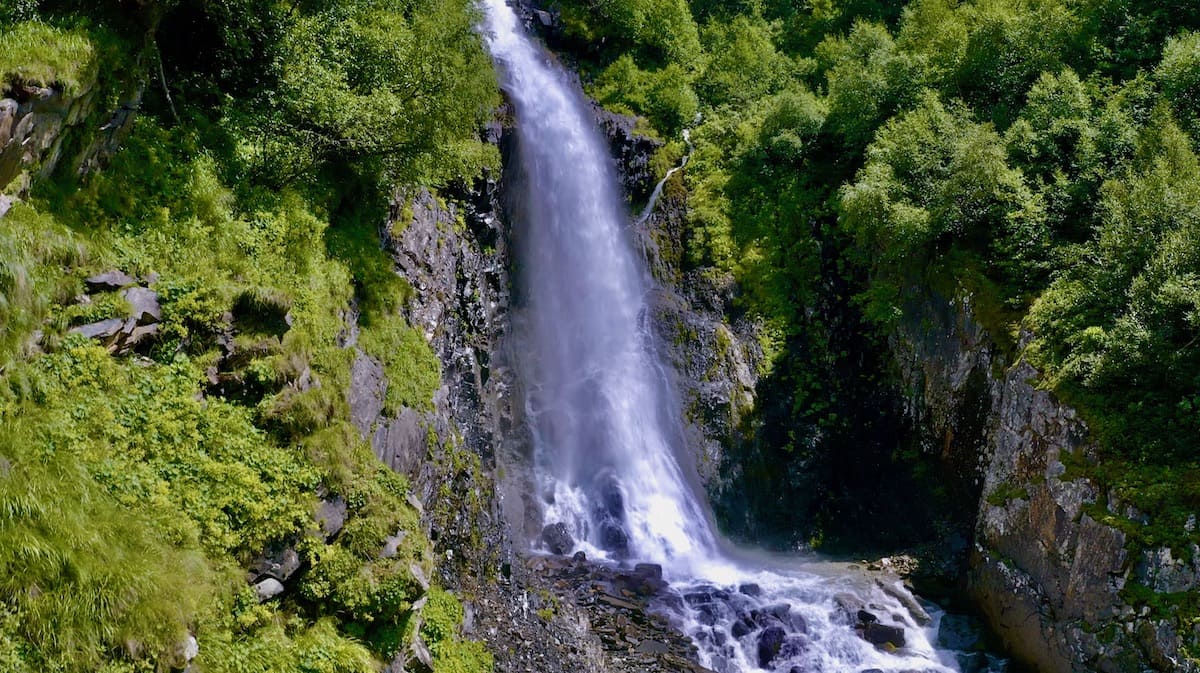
(793, 646)
(750, 590)
(883, 634)
(557, 539)
(770, 641)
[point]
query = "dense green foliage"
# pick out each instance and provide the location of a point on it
(855, 157)
(135, 489)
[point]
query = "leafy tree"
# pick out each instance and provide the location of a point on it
(868, 79)
(1178, 75)
(935, 179)
(745, 65)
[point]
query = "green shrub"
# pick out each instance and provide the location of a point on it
(451, 654)
(413, 370)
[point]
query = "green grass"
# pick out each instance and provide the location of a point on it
(35, 250)
(36, 53)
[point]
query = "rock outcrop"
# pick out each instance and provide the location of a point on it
(137, 329)
(1051, 579)
(35, 123)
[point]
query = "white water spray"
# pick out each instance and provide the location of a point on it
(606, 424)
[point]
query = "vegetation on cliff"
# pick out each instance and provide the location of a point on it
(853, 154)
(138, 482)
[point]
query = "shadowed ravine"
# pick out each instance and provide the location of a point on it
(606, 425)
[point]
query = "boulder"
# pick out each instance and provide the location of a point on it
(770, 641)
(794, 645)
(105, 329)
(645, 580)
(331, 516)
(8, 120)
(109, 281)
(883, 634)
(422, 658)
(419, 575)
(557, 539)
(750, 589)
(141, 334)
(268, 589)
(915, 610)
(190, 648)
(614, 538)
(143, 305)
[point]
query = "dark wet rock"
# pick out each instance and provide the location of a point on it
(779, 613)
(109, 281)
(645, 580)
(741, 628)
(706, 595)
(910, 603)
(750, 589)
(793, 646)
(972, 662)
(631, 150)
(770, 641)
(958, 632)
(614, 539)
(883, 634)
(557, 539)
(865, 617)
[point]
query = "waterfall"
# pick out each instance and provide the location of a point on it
(609, 451)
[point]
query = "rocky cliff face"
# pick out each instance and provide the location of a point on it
(36, 131)
(715, 356)
(467, 457)
(1053, 581)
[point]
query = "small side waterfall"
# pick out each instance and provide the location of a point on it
(606, 426)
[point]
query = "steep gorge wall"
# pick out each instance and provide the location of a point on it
(1052, 580)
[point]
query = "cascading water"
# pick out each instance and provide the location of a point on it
(607, 428)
